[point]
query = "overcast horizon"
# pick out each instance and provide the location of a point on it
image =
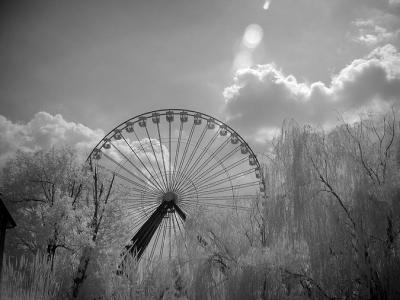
(70, 71)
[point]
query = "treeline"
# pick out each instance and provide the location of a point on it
(328, 227)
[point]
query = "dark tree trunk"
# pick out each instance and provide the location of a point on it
(81, 274)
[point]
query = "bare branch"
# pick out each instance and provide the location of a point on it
(371, 173)
(310, 280)
(29, 199)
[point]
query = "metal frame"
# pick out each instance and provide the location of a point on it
(192, 113)
(156, 224)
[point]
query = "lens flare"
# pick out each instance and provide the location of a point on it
(252, 36)
(242, 60)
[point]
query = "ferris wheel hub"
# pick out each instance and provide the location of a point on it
(170, 197)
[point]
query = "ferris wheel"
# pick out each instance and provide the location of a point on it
(169, 164)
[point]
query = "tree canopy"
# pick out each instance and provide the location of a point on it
(328, 227)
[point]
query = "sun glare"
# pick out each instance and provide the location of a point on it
(242, 60)
(252, 36)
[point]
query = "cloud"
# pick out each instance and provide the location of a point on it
(143, 148)
(43, 132)
(261, 97)
(371, 34)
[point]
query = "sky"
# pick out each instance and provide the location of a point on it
(72, 70)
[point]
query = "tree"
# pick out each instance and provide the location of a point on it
(337, 192)
(98, 196)
(43, 191)
(63, 210)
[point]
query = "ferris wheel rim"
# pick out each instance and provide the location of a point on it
(121, 126)
(206, 188)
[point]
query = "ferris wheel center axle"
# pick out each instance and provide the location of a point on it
(170, 197)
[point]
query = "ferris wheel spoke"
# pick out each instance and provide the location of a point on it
(201, 181)
(135, 211)
(177, 173)
(181, 232)
(148, 159)
(220, 205)
(147, 209)
(162, 155)
(144, 208)
(224, 180)
(181, 214)
(142, 204)
(137, 224)
(138, 197)
(143, 215)
(184, 155)
(216, 163)
(153, 181)
(146, 203)
(127, 171)
(224, 189)
(134, 227)
(177, 153)
(140, 207)
(177, 223)
(153, 249)
(222, 146)
(169, 153)
(204, 151)
(131, 182)
(211, 176)
(221, 198)
(212, 155)
(148, 192)
(169, 236)
(200, 175)
(193, 152)
(155, 157)
(173, 226)
(163, 239)
(141, 211)
(139, 186)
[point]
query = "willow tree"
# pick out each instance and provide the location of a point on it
(337, 192)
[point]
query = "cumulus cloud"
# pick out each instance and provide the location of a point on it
(43, 132)
(143, 149)
(261, 97)
(371, 34)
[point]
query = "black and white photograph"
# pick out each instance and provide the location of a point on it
(200, 149)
